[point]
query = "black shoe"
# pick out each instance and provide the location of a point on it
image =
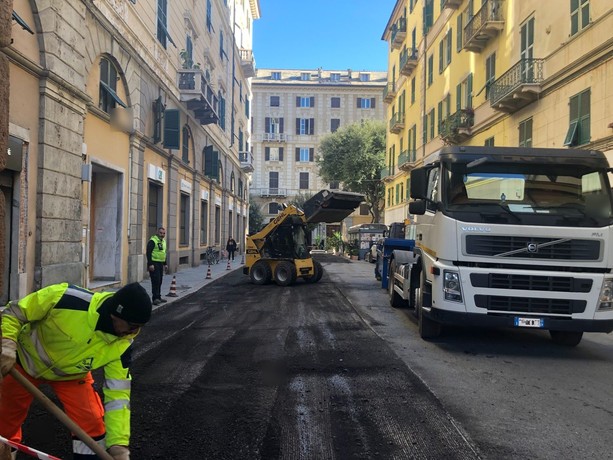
(163, 300)
(157, 302)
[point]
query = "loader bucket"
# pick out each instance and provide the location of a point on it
(331, 206)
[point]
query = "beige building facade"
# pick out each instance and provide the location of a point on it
(293, 111)
(494, 72)
(124, 116)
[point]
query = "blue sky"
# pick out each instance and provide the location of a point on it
(332, 34)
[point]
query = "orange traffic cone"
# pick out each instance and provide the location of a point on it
(208, 274)
(173, 287)
(228, 266)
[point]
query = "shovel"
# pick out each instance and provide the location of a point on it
(61, 416)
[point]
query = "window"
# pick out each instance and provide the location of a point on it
(304, 181)
(389, 196)
(184, 220)
(335, 123)
(211, 162)
(489, 142)
(108, 87)
(273, 125)
(305, 154)
(222, 111)
(185, 145)
(273, 182)
(335, 76)
(525, 133)
(273, 208)
(459, 33)
(172, 130)
(221, 50)
(579, 15)
(464, 95)
(430, 70)
(305, 101)
(217, 224)
(444, 51)
(204, 212)
(412, 90)
(366, 103)
(162, 24)
(490, 73)
(275, 101)
(364, 209)
(333, 185)
(335, 102)
(431, 115)
(579, 129)
(209, 16)
(428, 15)
(305, 76)
(305, 126)
(412, 143)
(364, 77)
(154, 208)
(275, 76)
(273, 153)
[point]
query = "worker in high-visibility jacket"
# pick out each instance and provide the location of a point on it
(58, 335)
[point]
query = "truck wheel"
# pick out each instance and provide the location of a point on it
(285, 273)
(396, 301)
(260, 273)
(568, 338)
(428, 329)
(319, 271)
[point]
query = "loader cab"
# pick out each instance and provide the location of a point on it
(287, 241)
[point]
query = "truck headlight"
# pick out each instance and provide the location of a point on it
(451, 286)
(605, 300)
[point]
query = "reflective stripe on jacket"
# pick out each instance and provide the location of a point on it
(159, 249)
(55, 332)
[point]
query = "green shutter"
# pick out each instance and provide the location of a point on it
(171, 129)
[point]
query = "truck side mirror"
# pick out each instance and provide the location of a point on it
(419, 183)
(417, 207)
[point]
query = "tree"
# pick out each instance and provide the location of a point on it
(256, 218)
(354, 155)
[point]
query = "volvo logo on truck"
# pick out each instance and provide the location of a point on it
(476, 229)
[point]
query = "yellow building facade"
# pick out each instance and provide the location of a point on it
(531, 73)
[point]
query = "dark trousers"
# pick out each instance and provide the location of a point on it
(156, 280)
(231, 254)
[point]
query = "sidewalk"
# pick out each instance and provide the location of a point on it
(190, 279)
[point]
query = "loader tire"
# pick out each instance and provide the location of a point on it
(260, 273)
(285, 273)
(319, 271)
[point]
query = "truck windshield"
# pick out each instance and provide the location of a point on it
(522, 192)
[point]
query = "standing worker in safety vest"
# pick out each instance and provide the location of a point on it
(57, 336)
(157, 264)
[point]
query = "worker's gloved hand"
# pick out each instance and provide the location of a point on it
(8, 356)
(119, 452)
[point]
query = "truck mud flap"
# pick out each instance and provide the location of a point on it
(331, 206)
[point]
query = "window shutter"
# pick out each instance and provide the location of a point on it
(297, 125)
(297, 153)
(211, 162)
(266, 153)
(459, 31)
(280, 153)
(171, 129)
(440, 57)
(458, 95)
(372, 102)
(469, 97)
(267, 125)
(297, 101)
(281, 125)
(311, 154)
(312, 101)
(449, 45)
(215, 165)
(311, 125)
(359, 103)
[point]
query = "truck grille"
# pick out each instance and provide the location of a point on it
(532, 248)
(530, 282)
(530, 304)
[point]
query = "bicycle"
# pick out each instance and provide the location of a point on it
(211, 256)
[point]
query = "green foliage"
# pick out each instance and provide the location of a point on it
(334, 241)
(256, 218)
(354, 155)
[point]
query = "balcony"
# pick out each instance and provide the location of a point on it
(453, 4)
(386, 173)
(518, 86)
(198, 95)
(397, 122)
(456, 127)
(483, 26)
(273, 192)
(408, 61)
(246, 159)
(389, 92)
(247, 63)
(407, 162)
(399, 33)
(274, 137)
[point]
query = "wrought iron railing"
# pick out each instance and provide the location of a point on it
(526, 71)
(399, 26)
(389, 90)
(450, 126)
(490, 11)
(396, 120)
(406, 55)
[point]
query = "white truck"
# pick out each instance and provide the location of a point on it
(509, 237)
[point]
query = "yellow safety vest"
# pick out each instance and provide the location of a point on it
(56, 340)
(159, 249)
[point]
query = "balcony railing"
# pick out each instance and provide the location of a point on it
(198, 95)
(389, 92)
(403, 158)
(409, 161)
(274, 137)
(246, 159)
(453, 4)
(518, 86)
(397, 122)
(408, 61)
(385, 172)
(248, 63)
(456, 127)
(399, 32)
(268, 192)
(483, 26)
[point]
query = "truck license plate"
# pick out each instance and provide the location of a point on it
(528, 322)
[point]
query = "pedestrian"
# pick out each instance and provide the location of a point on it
(57, 336)
(231, 248)
(157, 264)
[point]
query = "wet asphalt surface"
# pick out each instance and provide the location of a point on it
(237, 371)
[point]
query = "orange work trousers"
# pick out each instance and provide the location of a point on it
(80, 400)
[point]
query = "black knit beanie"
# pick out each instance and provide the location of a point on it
(132, 304)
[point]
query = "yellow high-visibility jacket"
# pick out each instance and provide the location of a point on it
(56, 340)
